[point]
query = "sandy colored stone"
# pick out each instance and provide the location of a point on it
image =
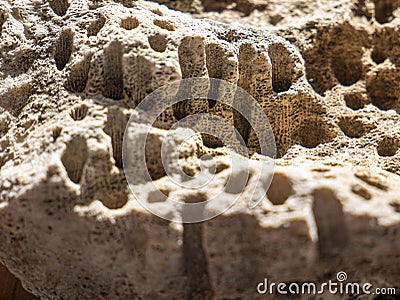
(71, 74)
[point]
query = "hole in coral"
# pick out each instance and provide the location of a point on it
(95, 27)
(396, 206)
(153, 156)
(190, 171)
(75, 157)
(331, 226)
(237, 182)
(130, 23)
(352, 127)
(384, 89)
(115, 199)
(317, 73)
(221, 166)
(59, 7)
(79, 112)
(158, 42)
(361, 191)
(336, 56)
(282, 67)
(280, 189)
(355, 100)
(388, 146)
(165, 24)
(194, 257)
(2, 20)
(156, 196)
(314, 131)
(384, 10)
(157, 11)
(56, 132)
(78, 76)
(375, 181)
(115, 128)
(211, 141)
(113, 71)
(347, 67)
(63, 48)
(211, 103)
(378, 56)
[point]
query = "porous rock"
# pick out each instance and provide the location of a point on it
(71, 74)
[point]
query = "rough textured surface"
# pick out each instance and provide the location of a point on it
(71, 73)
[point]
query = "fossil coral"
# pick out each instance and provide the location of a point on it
(71, 75)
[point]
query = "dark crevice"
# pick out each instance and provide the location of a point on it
(241, 124)
(355, 100)
(353, 127)
(384, 10)
(56, 132)
(237, 182)
(113, 71)
(195, 261)
(280, 189)
(158, 42)
(153, 156)
(78, 76)
(336, 57)
(378, 56)
(79, 112)
(384, 90)
(165, 24)
(331, 226)
(59, 7)
(2, 20)
(314, 131)
(130, 23)
(211, 141)
(115, 128)
(75, 157)
(388, 146)
(347, 67)
(63, 48)
(282, 67)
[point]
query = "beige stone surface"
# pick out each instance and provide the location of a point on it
(326, 73)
